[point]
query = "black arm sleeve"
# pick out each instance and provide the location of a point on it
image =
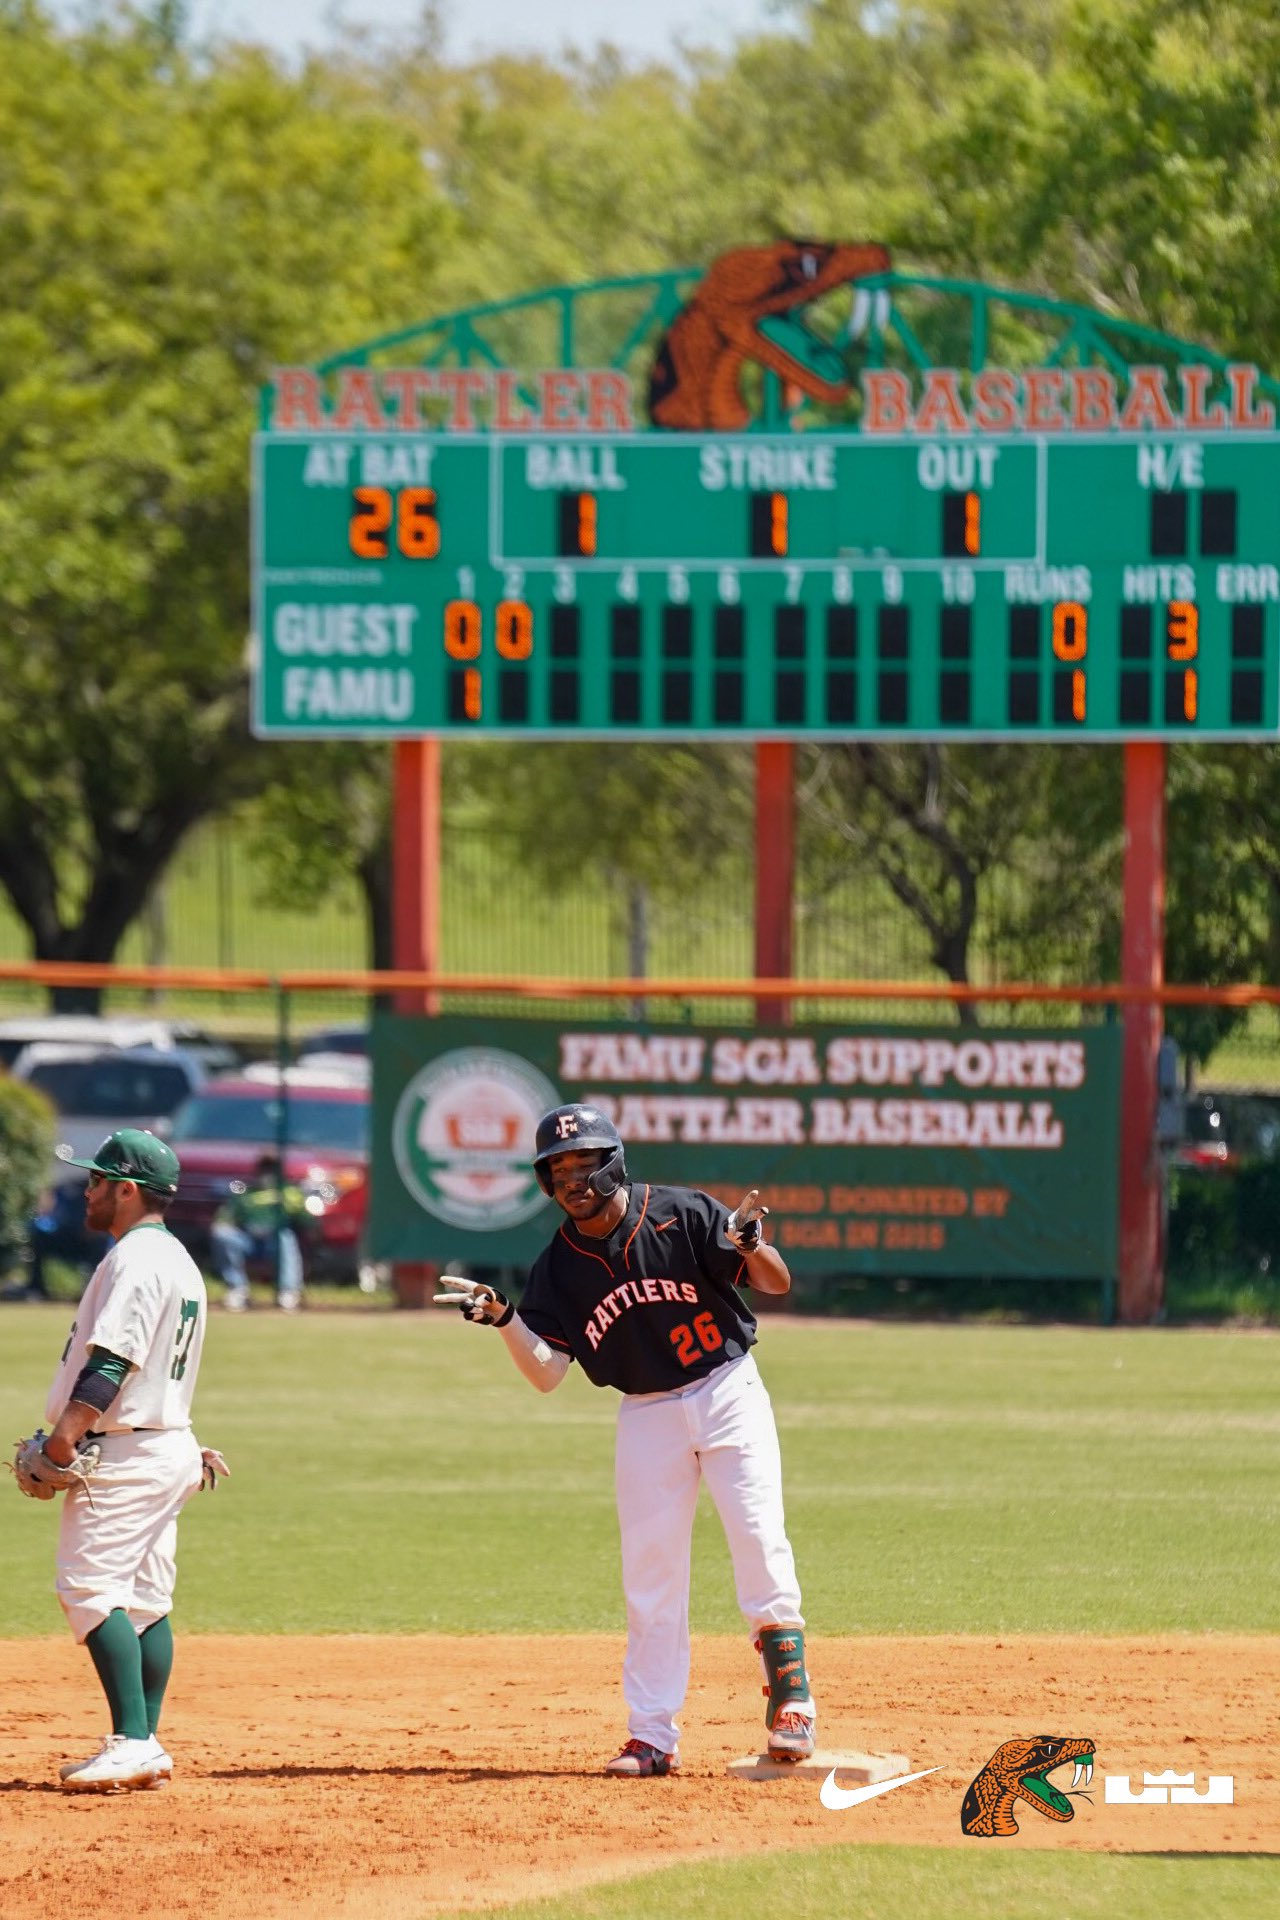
(99, 1380)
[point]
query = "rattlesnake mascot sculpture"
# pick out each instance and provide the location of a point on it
(745, 309)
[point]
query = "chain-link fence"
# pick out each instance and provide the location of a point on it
(1221, 1157)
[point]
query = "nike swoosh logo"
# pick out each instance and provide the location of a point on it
(838, 1798)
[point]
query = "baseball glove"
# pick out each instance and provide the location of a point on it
(742, 1228)
(40, 1478)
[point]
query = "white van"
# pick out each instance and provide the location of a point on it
(96, 1091)
(100, 1030)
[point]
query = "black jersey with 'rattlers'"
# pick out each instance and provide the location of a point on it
(653, 1305)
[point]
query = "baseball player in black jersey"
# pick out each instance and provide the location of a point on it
(643, 1287)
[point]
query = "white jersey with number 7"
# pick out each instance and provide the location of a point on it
(146, 1302)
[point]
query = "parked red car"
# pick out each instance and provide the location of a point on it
(221, 1133)
(1224, 1130)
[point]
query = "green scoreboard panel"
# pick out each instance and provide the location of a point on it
(824, 584)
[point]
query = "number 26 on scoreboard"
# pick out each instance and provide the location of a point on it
(409, 516)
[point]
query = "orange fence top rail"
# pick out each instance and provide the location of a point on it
(58, 973)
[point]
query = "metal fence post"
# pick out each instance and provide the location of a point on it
(282, 1125)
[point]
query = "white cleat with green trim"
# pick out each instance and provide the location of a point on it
(119, 1764)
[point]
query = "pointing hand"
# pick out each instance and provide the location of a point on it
(742, 1228)
(483, 1306)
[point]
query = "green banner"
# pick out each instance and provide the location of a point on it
(878, 1151)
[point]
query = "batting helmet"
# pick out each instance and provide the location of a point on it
(577, 1129)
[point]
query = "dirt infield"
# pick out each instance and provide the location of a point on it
(389, 1779)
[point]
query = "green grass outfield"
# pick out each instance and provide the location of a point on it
(393, 1473)
(926, 1883)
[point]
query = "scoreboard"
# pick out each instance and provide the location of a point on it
(828, 584)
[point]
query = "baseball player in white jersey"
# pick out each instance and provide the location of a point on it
(122, 1445)
(642, 1286)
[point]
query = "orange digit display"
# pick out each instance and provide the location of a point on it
(768, 526)
(1190, 692)
(588, 517)
(370, 519)
(1070, 630)
(462, 630)
(1183, 630)
(513, 630)
(973, 523)
(1077, 695)
(417, 526)
(471, 693)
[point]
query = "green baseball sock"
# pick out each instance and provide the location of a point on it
(781, 1651)
(156, 1645)
(115, 1652)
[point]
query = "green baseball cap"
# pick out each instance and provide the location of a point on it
(133, 1154)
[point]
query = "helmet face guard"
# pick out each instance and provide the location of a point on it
(579, 1129)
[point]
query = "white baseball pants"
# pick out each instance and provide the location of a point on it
(720, 1429)
(117, 1545)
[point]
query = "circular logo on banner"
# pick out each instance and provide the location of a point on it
(463, 1137)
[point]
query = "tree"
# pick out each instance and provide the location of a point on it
(1223, 905)
(662, 815)
(940, 824)
(325, 817)
(170, 229)
(556, 172)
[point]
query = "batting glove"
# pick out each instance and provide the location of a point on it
(742, 1229)
(483, 1306)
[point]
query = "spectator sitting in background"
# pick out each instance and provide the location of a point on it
(245, 1228)
(58, 1232)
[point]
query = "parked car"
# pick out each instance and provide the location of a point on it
(1225, 1129)
(95, 1091)
(327, 1040)
(355, 1068)
(222, 1132)
(100, 1031)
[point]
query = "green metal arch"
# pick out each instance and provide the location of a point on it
(616, 323)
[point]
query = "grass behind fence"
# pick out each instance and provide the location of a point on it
(216, 909)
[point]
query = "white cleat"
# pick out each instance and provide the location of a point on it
(120, 1763)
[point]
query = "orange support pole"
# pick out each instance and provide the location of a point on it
(1141, 1278)
(415, 920)
(775, 871)
(415, 857)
